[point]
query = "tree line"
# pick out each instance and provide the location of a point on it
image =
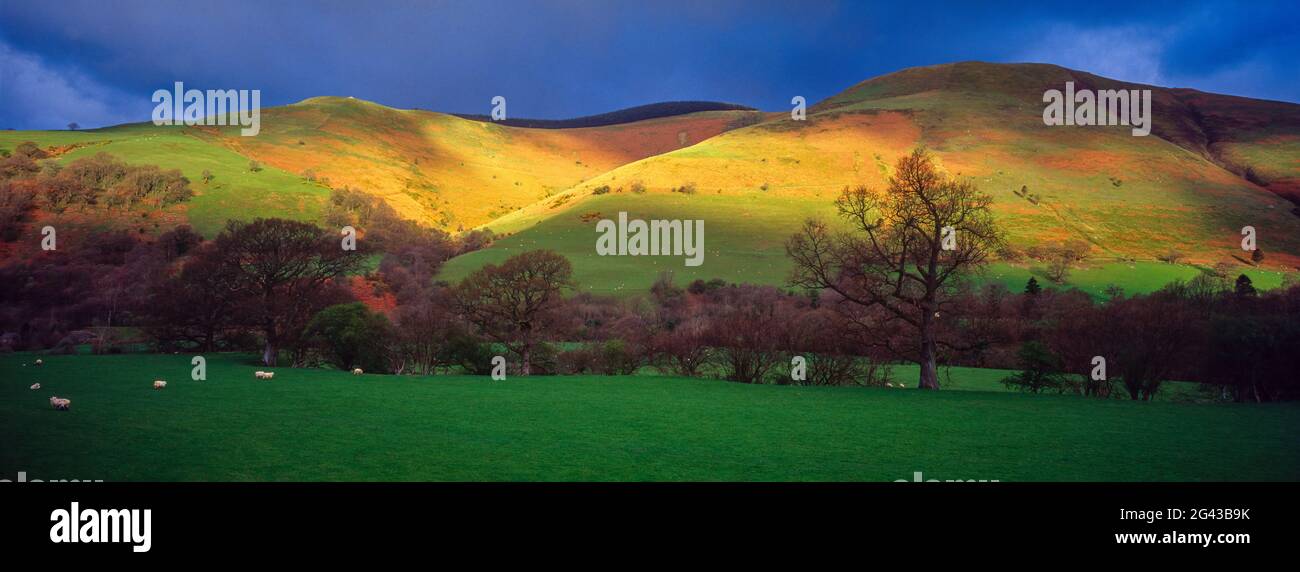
(895, 285)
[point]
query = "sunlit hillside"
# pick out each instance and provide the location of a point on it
(1212, 165)
(450, 172)
(1130, 197)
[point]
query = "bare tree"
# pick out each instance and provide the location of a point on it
(285, 268)
(1062, 257)
(892, 266)
(518, 303)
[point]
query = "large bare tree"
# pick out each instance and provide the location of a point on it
(519, 303)
(902, 257)
(284, 269)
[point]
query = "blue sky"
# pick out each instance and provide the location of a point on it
(97, 63)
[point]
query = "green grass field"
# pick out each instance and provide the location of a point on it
(745, 243)
(744, 240)
(309, 425)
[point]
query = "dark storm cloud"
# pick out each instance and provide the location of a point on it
(98, 62)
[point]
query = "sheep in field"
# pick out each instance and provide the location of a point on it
(159, 384)
(40, 362)
(59, 403)
(357, 371)
(36, 386)
(259, 374)
(270, 374)
(887, 384)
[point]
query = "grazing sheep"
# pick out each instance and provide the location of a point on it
(40, 362)
(259, 374)
(887, 384)
(270, 374)
(357, 371)
(159, 384)
(36, 386)
(60, 404)
(902, 385)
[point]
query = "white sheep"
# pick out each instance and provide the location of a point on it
(40, 362)
(259, 374)
(887, 384)
(159, 384)
(902, 386)
(269, 375)
(36, 386)
(357, 371)
(60, 403)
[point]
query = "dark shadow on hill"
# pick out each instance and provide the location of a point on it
(629, 115)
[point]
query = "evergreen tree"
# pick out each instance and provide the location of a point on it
(1032, 288)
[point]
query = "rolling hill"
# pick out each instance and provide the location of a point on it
(439, 169)
(1212, 165)
(450, 172)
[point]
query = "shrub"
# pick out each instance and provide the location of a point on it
(16, 200)
(1172, 256)
(470, 353)
(543, 360)
(1010, 253)
(350, 335)
(30, 150)
(699, 286)
(682, 351)
(618, 357)
(578, 361)
(834, 369)
(1041, 369)
(611, 357)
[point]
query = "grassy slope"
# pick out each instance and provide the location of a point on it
(451, 172)
(744, 234)
(441, 170)
(1133, 277)
(743, 240)
(234, 193)
(983, 122)
(323, 425)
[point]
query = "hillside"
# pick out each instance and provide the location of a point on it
(233, 192)
(450, 172)
(1212, 165)
(431, 167)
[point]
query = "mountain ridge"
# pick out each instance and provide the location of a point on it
(1212, 164)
